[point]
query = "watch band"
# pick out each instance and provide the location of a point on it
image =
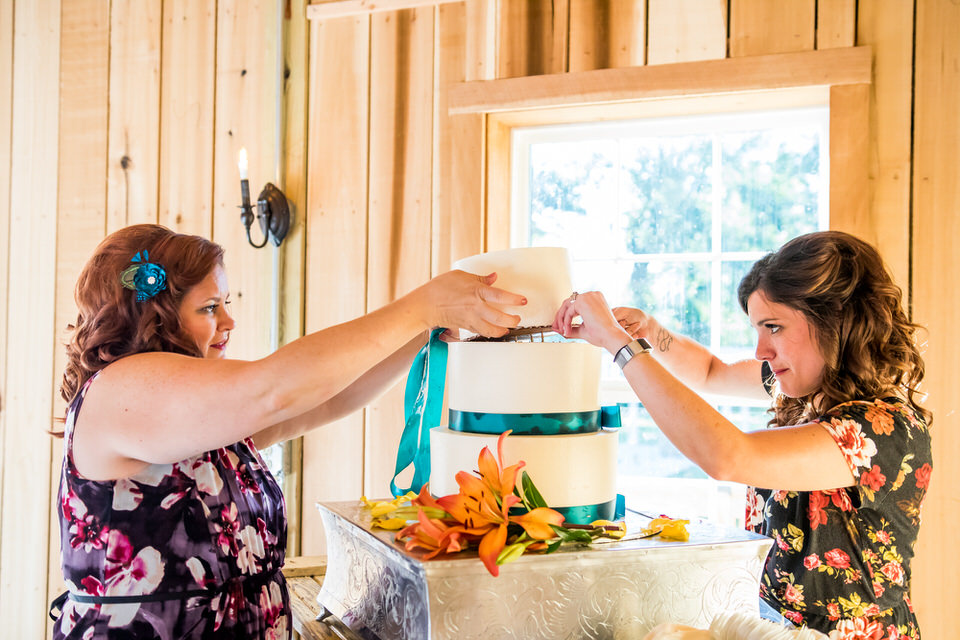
(627, 351)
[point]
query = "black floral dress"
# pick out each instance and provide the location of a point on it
(840, 562)
(186, 550)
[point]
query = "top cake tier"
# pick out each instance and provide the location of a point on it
(541, 274)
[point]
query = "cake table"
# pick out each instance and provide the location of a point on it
(605, 590)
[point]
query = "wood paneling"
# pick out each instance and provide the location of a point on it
(336, 275)
(759, 27)
(686, 30)
(186, 115)
(134, 135)
(28, 402)
(850, 159)
(247, 58)
(82, 197)
(401, 173)
(293, 177)
(887, 26)
(836, 23)
(6, 126)
(935, 271)
(533, 37)
(605, 34)
(457, 217)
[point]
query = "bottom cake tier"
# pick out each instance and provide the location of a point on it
(576, 473)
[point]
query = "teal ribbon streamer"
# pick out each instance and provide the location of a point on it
(536, 424)
(422, 406)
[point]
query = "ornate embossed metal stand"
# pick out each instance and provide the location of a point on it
(615, 590)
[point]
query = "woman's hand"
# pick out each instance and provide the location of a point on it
(634, 321)
(460, 300)
(598, 325)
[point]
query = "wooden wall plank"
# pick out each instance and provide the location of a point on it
(337, 157)
(481, 39)
(27, 448)
(836, 23)
(936, 269)
(498, 185)
(401, 148)
(686, 30)
(533, 37)
(6, 126)
(81, 201)
(248, 86)
(293, 254)
(887, 26)
(606, 34)
(457, 228)
(759, 27)
(134, 136)
(186, 115)
(850, 159)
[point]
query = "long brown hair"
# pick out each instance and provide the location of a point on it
(840, 284)
(111, 322)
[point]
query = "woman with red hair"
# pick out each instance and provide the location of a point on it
(171, 524)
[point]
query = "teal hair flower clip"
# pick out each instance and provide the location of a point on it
(146, 278)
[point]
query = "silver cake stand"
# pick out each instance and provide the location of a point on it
(375, 589)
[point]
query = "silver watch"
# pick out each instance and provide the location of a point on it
(627, 351)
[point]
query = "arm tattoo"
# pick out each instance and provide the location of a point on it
(664, 340)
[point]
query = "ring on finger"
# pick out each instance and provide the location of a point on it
(573, 296)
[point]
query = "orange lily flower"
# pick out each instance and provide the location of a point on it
(432, 535)
(537, 522)
(501, 482)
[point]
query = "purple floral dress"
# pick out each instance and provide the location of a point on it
(185, 550)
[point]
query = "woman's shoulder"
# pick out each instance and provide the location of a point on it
(888, 419)
(889, 407)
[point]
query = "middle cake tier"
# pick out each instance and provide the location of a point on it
(531, 388)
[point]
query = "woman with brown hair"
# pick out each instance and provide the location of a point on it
(846, 462)
(171, 524)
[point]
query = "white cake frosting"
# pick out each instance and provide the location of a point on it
(546, 393)
(523, 377)
(568, 470)
(541, 274)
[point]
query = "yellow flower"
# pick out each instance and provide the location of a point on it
(668, 528)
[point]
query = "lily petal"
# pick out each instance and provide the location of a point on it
(490, 548)
(537, 522)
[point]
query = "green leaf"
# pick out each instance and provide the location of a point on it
(532, 496)
(553, 546)
(576, 535)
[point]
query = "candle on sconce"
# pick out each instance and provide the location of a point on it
(242, 163)
(246, 211)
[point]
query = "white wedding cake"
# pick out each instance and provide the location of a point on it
(545, 390)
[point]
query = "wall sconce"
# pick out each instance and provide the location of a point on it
(273, 210)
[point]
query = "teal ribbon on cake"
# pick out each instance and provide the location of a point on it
(536, 424)
(422, 406)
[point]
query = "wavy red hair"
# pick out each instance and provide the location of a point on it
(111, 323)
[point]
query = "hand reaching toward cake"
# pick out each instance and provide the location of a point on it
(460, 300)
(598, 325)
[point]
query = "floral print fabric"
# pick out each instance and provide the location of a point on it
(840, 562)
(215, 521)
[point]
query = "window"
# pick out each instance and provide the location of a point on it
(667, 215)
